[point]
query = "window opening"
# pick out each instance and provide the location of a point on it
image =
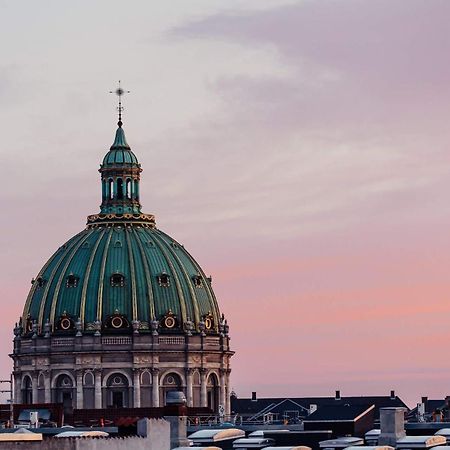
(120, 188)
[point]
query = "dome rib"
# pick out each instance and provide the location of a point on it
(194, 298)
(102, 276)
(27, 307)
(177, 281)
(133, 276)
(216, 309)
(63, 274)
(87, 277)
(148, 276)
(52, 276)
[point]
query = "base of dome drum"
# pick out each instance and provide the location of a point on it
(96, 220)
(122, 371)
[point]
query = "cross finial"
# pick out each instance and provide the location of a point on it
(119, 92)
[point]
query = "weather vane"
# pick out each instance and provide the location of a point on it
(119, 92)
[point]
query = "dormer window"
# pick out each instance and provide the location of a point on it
(117, 280)
(118, 244)
(198, 281)
(71, 281)
(40, 282)
(164, 280)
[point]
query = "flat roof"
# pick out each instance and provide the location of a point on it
(341, 442)
(421, 441)
(216, 435)
(252, 441)
(443, 432)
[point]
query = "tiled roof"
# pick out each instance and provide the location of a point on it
(279, 404)
(340, 412)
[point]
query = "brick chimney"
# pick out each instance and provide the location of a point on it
(254, 399)
(338, 395)
(392, 395)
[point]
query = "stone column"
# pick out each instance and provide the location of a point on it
(79, 389)
(155, 388)
(223, 395)
(227, 393)
(47, 387)
(189, 387)
(136, 388)
(203, 394)
(98, 388)
(34, 379)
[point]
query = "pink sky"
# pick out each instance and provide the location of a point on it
(299, 149)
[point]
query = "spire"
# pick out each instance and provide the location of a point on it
(119, 92)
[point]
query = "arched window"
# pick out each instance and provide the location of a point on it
(89, 379)
(119, 189)
(136, 189)
(111, 188)
(146, 378)
(41, 388)
(212, 387)
(117, 396)
(27, 390)
(171, 382)
(88, 391)
(64, 392)
(128, 186)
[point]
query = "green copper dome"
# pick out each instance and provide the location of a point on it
(121, 274)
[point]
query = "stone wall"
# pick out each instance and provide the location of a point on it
(155, 436)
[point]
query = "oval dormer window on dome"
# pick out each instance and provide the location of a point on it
(198, 281)
(39, 281)
(164, 280)
(72, 281)
(208, 320)
(117, 322)
(65, 323)
(117, 280)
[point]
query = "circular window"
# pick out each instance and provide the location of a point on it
(208, 323)
(65, 324)
(169, 322)
(117, 322)
(117, 380)
(170, 380)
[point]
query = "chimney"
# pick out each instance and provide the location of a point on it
(392, 395)
(254, 399)
(392, 424)
(424, 400)
(338, 395)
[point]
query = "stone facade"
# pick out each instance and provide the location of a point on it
(88, 371)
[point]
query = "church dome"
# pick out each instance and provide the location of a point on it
(121, 274)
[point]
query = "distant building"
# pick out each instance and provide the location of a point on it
(342, 420)
(295, 409)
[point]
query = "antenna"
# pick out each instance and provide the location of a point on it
(119, 92)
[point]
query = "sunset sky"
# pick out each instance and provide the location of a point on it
(300, 150)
